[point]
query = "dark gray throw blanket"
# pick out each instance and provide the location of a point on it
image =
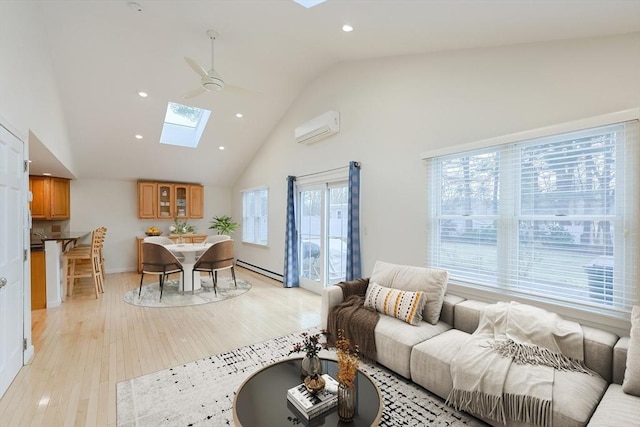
(357, 322)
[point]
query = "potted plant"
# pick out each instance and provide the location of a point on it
(223, 224)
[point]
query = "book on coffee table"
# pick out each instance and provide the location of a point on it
(309, 404)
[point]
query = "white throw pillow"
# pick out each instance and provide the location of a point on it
(631, 383)
(403, 305)
(431, 281)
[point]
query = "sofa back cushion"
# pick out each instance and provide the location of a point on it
(432, 282)
(631, 383)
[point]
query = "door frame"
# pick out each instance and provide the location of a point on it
(324, 181)
(28, 349)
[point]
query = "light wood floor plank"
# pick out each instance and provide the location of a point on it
(86, 346)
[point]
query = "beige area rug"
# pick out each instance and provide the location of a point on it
(173, 297)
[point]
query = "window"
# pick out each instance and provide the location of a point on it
(255, 216)
(551, 218)
(183, 125)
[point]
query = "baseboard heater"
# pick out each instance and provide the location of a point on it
(256, 269)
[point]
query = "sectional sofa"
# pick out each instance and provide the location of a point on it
(423, 351)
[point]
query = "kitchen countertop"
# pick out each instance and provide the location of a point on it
(37, 243)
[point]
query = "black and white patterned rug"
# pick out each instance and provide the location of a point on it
(172, 296)
(201, 393)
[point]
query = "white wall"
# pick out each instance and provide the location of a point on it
(396, 108)
(114, 204)
(29, 98)
(29, 101)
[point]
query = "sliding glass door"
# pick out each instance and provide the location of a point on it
(322, 242)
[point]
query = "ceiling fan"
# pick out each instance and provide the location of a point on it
(209, 80)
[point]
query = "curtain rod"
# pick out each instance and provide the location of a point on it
(328, 170)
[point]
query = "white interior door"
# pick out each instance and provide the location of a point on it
(11, 257)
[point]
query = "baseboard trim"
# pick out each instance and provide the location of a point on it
(263, 271)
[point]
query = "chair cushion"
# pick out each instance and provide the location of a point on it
(403, 305)
(631, 383)
(432, 282)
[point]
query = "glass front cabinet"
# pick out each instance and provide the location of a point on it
(164, 200)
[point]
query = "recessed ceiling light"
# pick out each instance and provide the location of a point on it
(239, 115)
(46, 174)
(143, 94)
(347, 28)
(138, 136)
(221, 148)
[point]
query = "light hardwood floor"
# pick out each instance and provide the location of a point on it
(86, 346)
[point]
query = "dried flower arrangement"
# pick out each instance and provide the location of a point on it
(310, 345)
(348, 360)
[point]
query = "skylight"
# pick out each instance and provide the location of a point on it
(183, 125)
(309, 3)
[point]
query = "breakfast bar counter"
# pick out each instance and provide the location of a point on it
(55, 245)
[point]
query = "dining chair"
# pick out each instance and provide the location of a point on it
(217, 238)
(162, 240)
(86, 261)
(158, 260)
(214, 238)
(217, 257)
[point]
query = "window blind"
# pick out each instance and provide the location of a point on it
(553, 218)
(255, 217)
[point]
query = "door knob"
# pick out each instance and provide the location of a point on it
(3, 282)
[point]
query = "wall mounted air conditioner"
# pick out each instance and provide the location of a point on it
(319, 127)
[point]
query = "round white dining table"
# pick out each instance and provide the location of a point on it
(189, 251)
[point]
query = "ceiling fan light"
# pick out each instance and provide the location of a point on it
(213, 83)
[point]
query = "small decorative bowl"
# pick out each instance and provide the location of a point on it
(314, 383)
(153, 234)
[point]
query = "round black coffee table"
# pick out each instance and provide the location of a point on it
(261, 399)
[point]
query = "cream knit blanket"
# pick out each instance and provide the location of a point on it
(505, 369)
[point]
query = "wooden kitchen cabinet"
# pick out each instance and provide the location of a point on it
(60, 198)
(147, 200)
(168, 200)
(196, 206)
(51, 198)
(38, 281)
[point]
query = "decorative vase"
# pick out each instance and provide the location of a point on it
(310, 366)
(180, 239)
(346, 402)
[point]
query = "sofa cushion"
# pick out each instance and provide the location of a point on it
(631, 383)
(431, 361)
(403, 305)
(432, 282)
(620, 359)
(575, 395)
(395, 339)
(616, 409)
(598, 351)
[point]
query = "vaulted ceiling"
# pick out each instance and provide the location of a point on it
(104, 52)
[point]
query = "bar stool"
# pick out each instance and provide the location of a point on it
(86, 261)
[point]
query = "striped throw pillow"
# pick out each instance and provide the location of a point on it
(403, 305)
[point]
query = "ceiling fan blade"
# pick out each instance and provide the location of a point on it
(194, 93)
(196, 67)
